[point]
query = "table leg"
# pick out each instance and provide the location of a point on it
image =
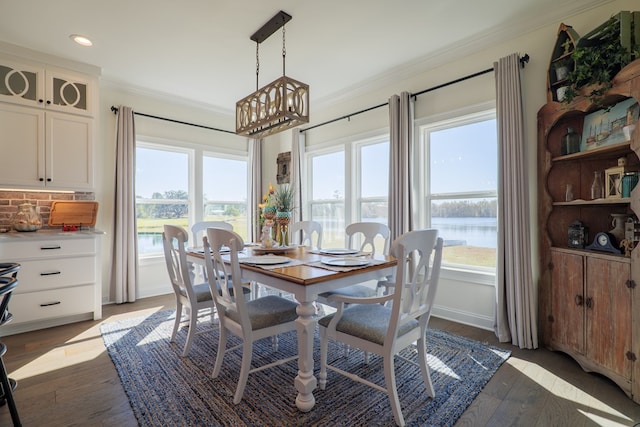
(305, 381)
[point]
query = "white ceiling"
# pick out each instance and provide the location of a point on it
(200, 50)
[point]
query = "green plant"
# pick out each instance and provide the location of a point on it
(597, 61)
(283, 198)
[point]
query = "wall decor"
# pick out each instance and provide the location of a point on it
(284, 168)
(605, 126)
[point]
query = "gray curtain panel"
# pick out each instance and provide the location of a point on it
(401, 146)
(297, 177)
(515, 311)
(255, 188)
(124, 277)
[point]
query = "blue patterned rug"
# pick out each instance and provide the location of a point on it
(165, 389)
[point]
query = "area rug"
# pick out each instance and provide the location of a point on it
(165, 389)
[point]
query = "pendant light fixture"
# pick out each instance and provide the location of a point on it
(280, 105)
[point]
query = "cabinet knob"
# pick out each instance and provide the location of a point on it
(40, 101)
(579, 300)
(48, 179)
(40, 179)
(48, 102)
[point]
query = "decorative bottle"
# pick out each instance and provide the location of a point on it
(596, 186)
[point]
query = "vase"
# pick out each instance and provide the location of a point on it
(283, 219)
(596, 186)
(269, 212)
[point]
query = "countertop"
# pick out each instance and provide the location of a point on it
(49, 234)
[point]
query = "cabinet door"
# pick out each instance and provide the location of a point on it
(69, 151)
(22, 161)
(567, 307)
(608, 314)
(21, 84)
(69, 93)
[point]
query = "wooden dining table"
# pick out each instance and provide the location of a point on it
(306, 276)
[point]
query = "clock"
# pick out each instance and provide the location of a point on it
(604, 242)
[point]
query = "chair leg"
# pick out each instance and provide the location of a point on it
(390, 380)
(274, 343)
(176, 324)
(424, 367)
(8, 395)
(247, 354)
(193, 326)
(222, 345)
(324, 344)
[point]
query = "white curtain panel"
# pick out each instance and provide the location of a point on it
(297, 175)
(515, 309)
(255, 188)
(401, 146)
(124, 277)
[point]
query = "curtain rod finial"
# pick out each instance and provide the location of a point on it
(114, 109)
(524, 59)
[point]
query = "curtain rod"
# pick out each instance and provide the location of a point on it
(115, 110)
(523, 60)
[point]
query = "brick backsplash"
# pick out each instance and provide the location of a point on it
(9, 201)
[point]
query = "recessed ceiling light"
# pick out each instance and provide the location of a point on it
(81, 40)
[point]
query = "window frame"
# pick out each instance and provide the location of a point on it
(195, 153)
(351, 147)
(422, 127)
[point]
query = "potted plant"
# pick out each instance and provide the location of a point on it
(283, 199)
(598, 57)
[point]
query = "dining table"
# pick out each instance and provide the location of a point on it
(306, 272)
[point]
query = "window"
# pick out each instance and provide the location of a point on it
(166, 191)
(161, 197)
(461, 188)
(348, 184)
(224, 184)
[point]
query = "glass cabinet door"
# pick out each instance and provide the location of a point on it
(21, 84)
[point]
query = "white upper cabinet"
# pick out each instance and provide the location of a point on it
(48, 88)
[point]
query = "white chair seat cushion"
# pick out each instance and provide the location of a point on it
(268, 311)
(367, 321)
(355, 291)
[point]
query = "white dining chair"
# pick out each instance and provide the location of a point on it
(303, 232)
(370, 235)
(249, 320)
(198, 230)
(199, 227)
(376, 327)
(189, 297)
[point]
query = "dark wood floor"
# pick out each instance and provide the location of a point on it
(66, 378)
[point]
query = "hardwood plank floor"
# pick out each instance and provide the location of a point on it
(66, 378)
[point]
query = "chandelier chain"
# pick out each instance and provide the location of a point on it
(257, 64)
(284, 49)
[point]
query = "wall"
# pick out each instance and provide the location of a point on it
(537, 44)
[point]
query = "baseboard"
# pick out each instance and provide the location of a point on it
(466, 318)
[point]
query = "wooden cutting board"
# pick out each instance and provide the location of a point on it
(73, 213)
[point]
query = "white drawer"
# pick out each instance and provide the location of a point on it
(49, 274)
(46, 248)
(50, 304)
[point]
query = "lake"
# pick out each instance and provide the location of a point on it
(480, 232)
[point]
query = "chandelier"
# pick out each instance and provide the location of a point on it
(280, 105)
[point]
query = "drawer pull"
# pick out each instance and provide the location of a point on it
(48, 248)
(53, 273)
(50, 304)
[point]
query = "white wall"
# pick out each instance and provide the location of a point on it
(478, 308)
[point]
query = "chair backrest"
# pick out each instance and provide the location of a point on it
(7, 285)
(367, 233)
(219, 273)
(174, 241)
(203, 225)
(419, 255)
(307, 228)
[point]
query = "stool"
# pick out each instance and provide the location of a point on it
(7, 285)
